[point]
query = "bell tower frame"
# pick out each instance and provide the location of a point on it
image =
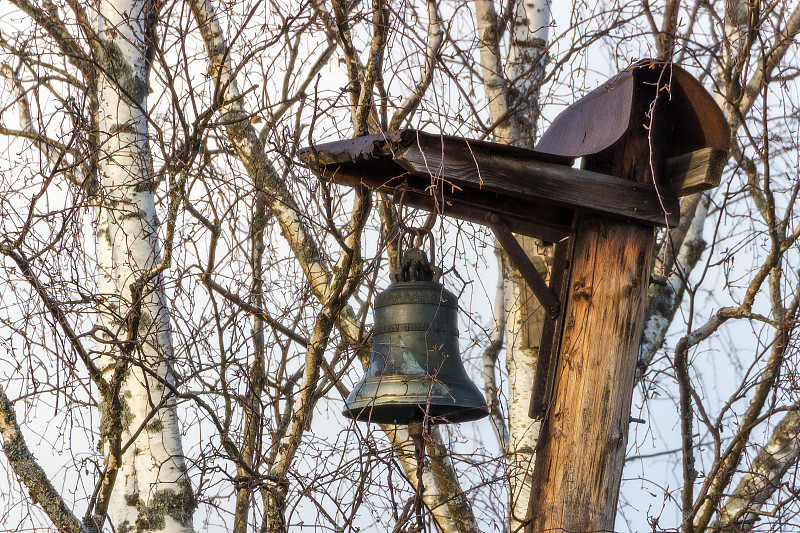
(647, 136)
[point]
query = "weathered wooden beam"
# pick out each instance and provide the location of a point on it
(457, 166)
(551, 330)
(548, 222)
(581, 450)
(694, 172)
(543, 293)
(550, 225)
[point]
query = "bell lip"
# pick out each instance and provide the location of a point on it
(437, 413)
(441, 408)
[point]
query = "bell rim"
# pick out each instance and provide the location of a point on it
(387, 414)
(378, 406)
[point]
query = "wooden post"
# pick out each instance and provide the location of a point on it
(581, 451)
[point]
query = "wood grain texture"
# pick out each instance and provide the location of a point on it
(463, 166)
(547, 222)
(694, 172)
(457, 167)
(550, 331)
(582, 450)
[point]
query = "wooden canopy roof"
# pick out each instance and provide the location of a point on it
(537, 192)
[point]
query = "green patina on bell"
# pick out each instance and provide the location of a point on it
(415, 367)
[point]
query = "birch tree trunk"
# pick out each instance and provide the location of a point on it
(743, 506)
(141, 433)
(513, 95)
(523, 333)
(527, 57)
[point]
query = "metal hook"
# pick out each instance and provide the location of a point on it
(417, 234)
(412, 237)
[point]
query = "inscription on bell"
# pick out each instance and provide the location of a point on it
(414, 326)
(400, 297)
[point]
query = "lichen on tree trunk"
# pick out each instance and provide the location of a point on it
(141, 433)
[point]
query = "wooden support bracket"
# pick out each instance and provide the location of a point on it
(552, 326)
(551, 296)
(537, 284)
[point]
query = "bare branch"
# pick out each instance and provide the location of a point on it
(763, 477)
(490, 357)
(435, 39)
(669, 28)
(58, 314)
(32, 475)
(724, 468)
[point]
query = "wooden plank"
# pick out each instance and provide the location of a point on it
(478, 167)
(384, 144)
(351, 150)
(547, 222)
(696, 171)
(461, 165)
(378, 175)
(552, 327)
(523, 218)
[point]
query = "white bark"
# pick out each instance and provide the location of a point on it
(435, 39)
(527, 55)
(524, 317)
(666, 300)
(31, 474)
(763, 478)
(151, 491)
(450, 508)
(249, 150)
(492, 68)
(514, 109)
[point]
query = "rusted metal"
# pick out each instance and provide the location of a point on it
(698, 121)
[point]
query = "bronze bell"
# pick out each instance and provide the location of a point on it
(415, 366)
